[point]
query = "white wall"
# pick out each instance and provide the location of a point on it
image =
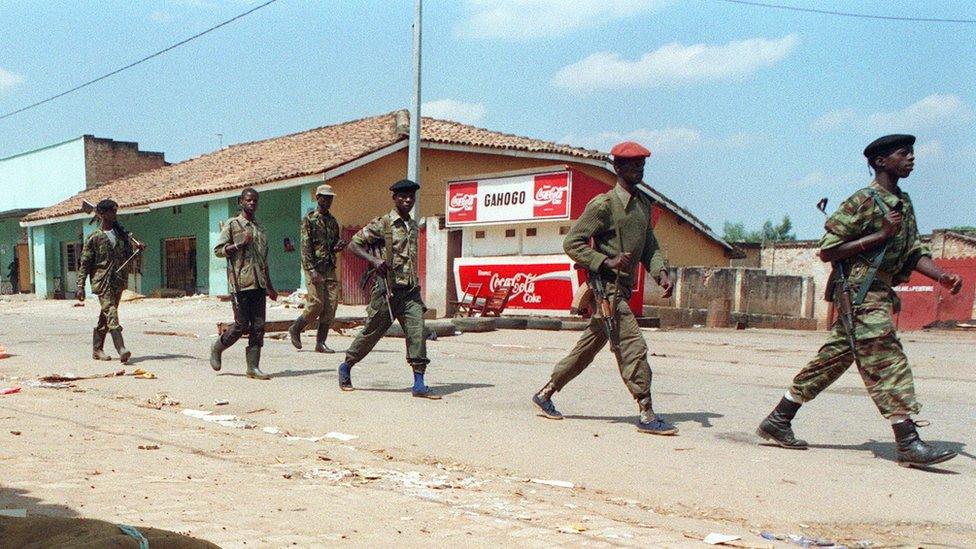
(547, 240)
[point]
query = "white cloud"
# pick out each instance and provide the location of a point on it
(934, 111)
(929, 149)
(458, 111)
(9, 79)
(159, 16)
(675, 64)
(527, 19)
(664, 141)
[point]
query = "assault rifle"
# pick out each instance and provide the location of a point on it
(388, 294)
(845, 299)
(602, 305)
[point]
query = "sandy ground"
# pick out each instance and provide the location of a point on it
(457, 471)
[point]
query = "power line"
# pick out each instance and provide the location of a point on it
(848, 14)
(133, 64)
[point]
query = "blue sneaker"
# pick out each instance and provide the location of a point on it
(345, 377)
(546, 406)
(651, 423)
(421, 390)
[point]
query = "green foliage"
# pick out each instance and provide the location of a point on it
(736, 232)
(958, 228)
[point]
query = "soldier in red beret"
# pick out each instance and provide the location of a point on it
(618, 223)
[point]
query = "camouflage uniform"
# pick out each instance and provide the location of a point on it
(247, 277)
(100, 260)
(884, 367)
(398, 238)
(632, 215)
(320, 234)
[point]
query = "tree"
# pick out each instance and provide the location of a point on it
(783, 232)
(958, 228)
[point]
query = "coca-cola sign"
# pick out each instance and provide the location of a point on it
(462, 202)
(528, 197)
(551, 196)
(544, 284)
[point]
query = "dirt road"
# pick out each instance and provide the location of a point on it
(458, 470)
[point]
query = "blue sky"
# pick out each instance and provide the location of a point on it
(751, 113)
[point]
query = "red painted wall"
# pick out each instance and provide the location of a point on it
(923, 301)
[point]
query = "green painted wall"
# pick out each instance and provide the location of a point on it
(155, 226)
(278, 212)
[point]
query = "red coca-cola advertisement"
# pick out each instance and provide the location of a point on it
(462, 202)
(545, 283)
(551, 195)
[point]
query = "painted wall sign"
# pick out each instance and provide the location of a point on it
(529, 197)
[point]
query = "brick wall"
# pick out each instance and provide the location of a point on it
(801, 258)
(107, 159)
(950, 244)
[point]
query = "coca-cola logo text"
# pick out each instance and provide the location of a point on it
(522, 284)
(463, 202)
(550, 194)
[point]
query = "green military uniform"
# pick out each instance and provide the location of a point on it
(884, 367)
(397, 237)
(100, 259)
(320, 234)
(604, 216)
(247, 269)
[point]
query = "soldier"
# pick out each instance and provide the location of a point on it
(396, 292)
(244, 242)
(320, 242)
(103, 258)
(877, 221)
(619, 224)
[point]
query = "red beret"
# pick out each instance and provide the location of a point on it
(629, 149)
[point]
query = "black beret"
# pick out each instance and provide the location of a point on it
(883, 146)
(404, 185)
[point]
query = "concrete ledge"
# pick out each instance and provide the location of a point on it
(674, 317)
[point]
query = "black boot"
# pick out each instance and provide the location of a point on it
(253, 357)
(649, 422)
(776, 427)
(543, 401)
(295, 331)
(216, 350)
(320, 337)
(124, 353)
(98, 343)
(913, 451)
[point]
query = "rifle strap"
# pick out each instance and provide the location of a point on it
(617, 214)
(388, 247)
(862, 291)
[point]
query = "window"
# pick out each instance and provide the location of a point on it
(509, 233)
(479, 234)
(564, 229)
(531, 231)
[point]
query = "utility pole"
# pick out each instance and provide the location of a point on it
(413, 148)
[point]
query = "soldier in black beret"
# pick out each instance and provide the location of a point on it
(396, 292)
(873, 237)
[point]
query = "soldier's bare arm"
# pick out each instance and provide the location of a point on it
(949, 281)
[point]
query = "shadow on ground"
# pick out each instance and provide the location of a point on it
(442, 389)
(702, 418)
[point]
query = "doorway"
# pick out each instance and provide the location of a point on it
(180, 264)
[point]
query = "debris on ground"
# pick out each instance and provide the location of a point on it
(129, 295)
(55, 378)
(9, 390)
(340, 436)
(139, 373)
(20, 513)
(556, 483)
(3, 352)
(221, 402)
(805, 541)
(165, 333)
(149, 447)
(226, 420)
(719, 539)
(159, 400)
(49, 384)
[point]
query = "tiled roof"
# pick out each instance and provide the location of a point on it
(305, 153)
